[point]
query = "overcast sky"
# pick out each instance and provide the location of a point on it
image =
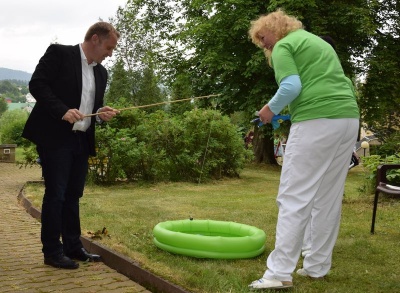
(27, 27)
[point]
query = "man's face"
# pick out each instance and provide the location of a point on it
(103, 48)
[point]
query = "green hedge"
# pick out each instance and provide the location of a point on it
(197, 146)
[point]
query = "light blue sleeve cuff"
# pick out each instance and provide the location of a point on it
(289, 89)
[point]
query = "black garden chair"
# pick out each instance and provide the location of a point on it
(382, 186)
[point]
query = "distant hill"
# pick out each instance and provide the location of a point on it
(6, 73)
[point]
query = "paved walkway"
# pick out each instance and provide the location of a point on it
(21, 259)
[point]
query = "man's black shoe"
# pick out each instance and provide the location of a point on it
(61, 261)
(83, 255)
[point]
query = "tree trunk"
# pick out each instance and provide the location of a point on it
(263, 146)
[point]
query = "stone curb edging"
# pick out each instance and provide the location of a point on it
(112, 259)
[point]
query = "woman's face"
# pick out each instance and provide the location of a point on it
(267, 39)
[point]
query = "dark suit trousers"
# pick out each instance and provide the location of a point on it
(64, 171)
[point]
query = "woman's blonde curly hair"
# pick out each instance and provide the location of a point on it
(278, 22)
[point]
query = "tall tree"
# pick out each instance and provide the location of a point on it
(380, 92)
(207, 41)
(181, 89)
(142, 25)
(3, 105)
(225, 61)
(121, 85)
(149, 90)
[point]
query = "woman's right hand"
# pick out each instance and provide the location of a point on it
(266, 114)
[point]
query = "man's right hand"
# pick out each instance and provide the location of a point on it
(73, 115)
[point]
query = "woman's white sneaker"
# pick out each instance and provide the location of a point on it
(270, 284)
(302, 272)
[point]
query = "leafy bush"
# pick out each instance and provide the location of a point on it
(30, 155)
(390, 146)
(199, 145)
(11, 125)
(212, 145)
(372, 162)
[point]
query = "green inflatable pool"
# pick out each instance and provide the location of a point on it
(209, 239)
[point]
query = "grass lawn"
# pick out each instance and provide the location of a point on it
(361, 262)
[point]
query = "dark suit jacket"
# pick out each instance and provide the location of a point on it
(56, 85)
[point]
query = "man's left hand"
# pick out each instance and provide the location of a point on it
(107, 113)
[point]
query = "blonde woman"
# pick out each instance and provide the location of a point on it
(324, 117)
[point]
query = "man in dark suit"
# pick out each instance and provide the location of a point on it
(68, 83)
